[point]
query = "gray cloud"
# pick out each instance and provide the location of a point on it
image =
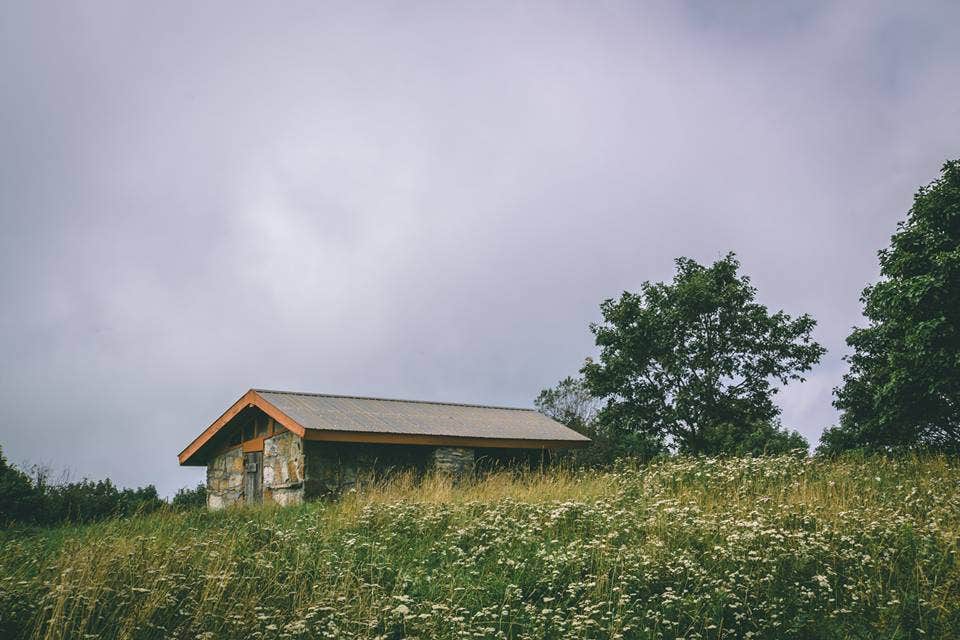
(423, 200)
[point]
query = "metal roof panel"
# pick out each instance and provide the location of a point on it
(415, 417)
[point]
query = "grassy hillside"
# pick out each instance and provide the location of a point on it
(775, 548)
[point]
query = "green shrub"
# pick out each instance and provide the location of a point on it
(19, 499)
(30, 500)
(187, 498)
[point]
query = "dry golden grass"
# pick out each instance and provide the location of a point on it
(742, 548)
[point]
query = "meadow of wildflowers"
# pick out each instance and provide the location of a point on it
(743, 548)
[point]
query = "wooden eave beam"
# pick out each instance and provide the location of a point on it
(440, 441)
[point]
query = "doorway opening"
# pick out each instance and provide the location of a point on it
(253, 477)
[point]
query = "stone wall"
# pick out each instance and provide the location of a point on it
(295, 470)
(225, 479)
(283, 469)
(458, 462)
(283, 473)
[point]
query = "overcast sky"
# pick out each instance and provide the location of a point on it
(424, 200)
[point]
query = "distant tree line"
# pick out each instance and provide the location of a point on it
(692, 366)
(31, 498)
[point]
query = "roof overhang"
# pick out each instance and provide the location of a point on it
(189, 457)
(249, 399)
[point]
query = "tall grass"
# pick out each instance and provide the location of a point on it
(741, 548)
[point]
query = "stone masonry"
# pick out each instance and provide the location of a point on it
(458, 462)
(225, 479)
(283, 469)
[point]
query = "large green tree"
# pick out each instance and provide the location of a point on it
(903, 387)
(694, 362)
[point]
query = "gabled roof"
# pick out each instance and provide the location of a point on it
(315, 416)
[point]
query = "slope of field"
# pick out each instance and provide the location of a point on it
(742, 548)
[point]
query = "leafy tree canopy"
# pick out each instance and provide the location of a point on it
(571, 403)
(694, 361)
(903, 387)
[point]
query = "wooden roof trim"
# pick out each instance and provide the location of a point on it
(250, 399)
(438, 440)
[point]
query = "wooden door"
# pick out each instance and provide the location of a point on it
(253, 477)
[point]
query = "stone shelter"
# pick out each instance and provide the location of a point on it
(286, 447)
